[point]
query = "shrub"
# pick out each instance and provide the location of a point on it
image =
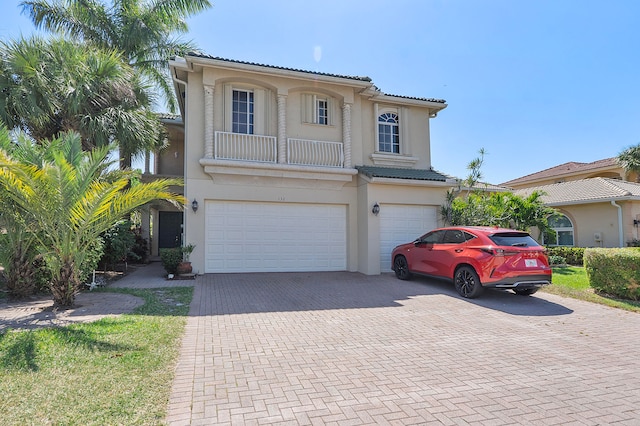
(572, 255)
(614, 271)
(91, 259)
(140, 250)
(171, 258)
(633, 243)
(118, 242)
(557, 260)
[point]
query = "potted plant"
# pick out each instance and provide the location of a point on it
(185, 266)
(171, 258)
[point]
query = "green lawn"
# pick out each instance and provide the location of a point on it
(571, 281)
(112, 371)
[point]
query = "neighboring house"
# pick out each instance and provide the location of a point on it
(607, 168)
(599, 207)
(294, 170)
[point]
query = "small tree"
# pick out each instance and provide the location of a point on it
(504, 209)
(629, 159)
(71, 197)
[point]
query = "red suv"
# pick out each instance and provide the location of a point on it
(476, 258)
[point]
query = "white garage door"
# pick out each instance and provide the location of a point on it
(401, 224)
(275, 237)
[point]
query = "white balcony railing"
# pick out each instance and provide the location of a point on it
(315, 153)
(264, 149)
(240, 146)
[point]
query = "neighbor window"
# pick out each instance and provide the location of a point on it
(242, 112)
(561, 231)
(388, 133)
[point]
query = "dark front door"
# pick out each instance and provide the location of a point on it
(169, 229)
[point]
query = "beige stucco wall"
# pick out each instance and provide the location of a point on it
(414, 135)
(265, 190)
(602, 218)
(424, 194)
(170, 161)
(259, 186)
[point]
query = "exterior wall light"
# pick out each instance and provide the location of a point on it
(376, 209)
(194, 205)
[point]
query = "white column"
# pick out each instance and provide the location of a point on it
(375, 125)
(208, 121)
(282, 129)
(346, 134)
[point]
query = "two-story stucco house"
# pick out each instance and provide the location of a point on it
(294, 170)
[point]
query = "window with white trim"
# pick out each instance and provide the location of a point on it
(242, 112)
(561, 231)
(322, 108)
(388, 133)
(317, 109)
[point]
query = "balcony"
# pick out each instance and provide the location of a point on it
(239, 158)
(243, 147)
(264, 149)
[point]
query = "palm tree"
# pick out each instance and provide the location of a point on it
(629, 159)
(144, 31)
(70, 197)
(56, 85)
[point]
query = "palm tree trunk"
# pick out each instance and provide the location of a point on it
(65, 287)
(20, 275)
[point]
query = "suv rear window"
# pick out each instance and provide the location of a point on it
(513, 239)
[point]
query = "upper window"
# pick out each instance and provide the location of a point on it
(322, 111)
(242, 112)
(388, 133)
(316, 109)
(561, 231)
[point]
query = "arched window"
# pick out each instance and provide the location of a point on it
(561, 231)
(388, 133)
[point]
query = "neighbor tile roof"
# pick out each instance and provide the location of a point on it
(400, 173)
(571, 167)
(350, 77)
(169, 116)
(585, 191)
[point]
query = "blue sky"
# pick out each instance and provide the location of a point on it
(536, 83)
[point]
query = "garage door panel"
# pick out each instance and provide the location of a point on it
(401, 224)
(266, 237)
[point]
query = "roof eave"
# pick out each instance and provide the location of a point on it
(558, 176)
(434, 105)
(194, 60)
(593, 201)
(409, 182)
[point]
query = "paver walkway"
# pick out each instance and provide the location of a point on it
(344, 348)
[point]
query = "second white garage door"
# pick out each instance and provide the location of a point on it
(402, 224)
(275, 237)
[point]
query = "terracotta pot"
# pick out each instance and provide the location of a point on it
(184, 268)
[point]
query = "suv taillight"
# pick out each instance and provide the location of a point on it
(494, 251)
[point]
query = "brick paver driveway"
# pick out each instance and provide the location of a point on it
(344, 348)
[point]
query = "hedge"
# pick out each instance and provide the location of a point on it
(614, 271)
(572, 255)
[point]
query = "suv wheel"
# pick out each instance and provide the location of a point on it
(467, 282)
(401, 268)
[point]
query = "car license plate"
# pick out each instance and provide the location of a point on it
(530, 263)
